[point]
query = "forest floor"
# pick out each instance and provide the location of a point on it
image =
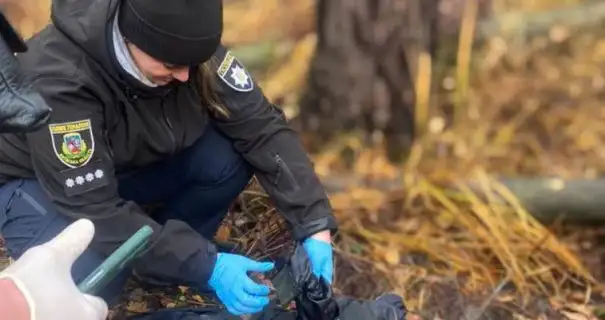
(533, 110)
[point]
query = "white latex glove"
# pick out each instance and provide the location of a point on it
(43, 275)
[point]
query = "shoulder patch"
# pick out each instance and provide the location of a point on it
(81, 180)
(233, 73)
(73, 142)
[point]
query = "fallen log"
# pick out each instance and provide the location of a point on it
(547, 199)
(527, 24)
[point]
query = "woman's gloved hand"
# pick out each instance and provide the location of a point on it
(319, 250)
(233, 286)
(43, 277)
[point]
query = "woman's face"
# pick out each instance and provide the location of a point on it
(157, 71)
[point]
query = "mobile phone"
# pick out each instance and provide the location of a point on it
(116, 262)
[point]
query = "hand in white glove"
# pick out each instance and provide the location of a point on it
(43, 275)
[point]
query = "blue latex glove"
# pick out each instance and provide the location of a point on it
(320, 255)
(239, 293)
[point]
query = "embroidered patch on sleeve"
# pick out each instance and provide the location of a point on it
(233, 73)
(73, 142)
(84, 179)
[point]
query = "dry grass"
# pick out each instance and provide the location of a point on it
(541, 115)
(453, 255)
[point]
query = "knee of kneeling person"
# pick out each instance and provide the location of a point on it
(231, 171)
(214, 161)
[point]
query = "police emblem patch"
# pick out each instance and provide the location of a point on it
(73, 142)
(233, 73)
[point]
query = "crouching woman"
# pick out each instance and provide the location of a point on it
(128, 129)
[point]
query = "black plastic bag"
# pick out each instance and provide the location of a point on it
(386, 307)
(316, 300)
(313, 297)
(22, 109)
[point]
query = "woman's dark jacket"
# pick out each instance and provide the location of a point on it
(103, 124)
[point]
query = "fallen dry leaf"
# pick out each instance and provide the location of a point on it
(137, 307)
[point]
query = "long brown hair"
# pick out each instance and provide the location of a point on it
(207, 88)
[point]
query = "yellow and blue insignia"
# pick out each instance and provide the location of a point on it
(73, 142)
(233, 73)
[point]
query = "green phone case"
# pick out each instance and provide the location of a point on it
(116, 262)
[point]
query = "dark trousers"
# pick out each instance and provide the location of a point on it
(197, 186)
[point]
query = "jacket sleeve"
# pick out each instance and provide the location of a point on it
(262, 134)
(73, 163)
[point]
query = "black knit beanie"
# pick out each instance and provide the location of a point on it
(179, 32)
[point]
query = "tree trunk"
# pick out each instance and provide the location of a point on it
(360, 79)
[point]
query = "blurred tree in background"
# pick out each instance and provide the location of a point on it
(360, 78)
(362, 75)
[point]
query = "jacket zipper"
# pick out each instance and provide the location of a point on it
(170, 133)
(283, 169)
(108, 143)
(106, 136)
